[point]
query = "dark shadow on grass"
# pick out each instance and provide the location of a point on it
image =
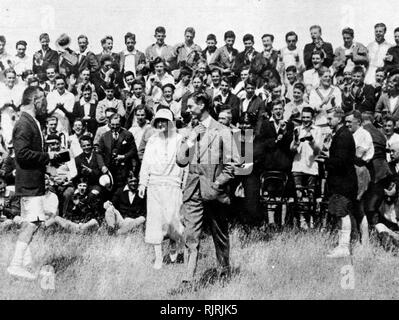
(62, 263)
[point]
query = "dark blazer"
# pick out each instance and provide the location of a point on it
(8, 166)
(124, 146)
(115, 60)
(233, 102)
(277, 155)
(50, 58)
(257, 107)
(139, 59)
(342, 178)
(394, 64)
(362, 100)
(95, 164)
(30, 157)
(78, 112)
(99, 84)
(242, 61)
(310, 47)
(89, 61)
(122, 203)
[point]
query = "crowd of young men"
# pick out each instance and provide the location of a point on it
(309, 110)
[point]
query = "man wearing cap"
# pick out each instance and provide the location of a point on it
(31, 161)
(211, 155)
(210, 49)
(118, 152)
(131, 59)
(45, 56)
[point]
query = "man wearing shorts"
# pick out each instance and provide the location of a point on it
(31, 163)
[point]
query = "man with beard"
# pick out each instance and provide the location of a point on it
(31, 163)
(211, 155)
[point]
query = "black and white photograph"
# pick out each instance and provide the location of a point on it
(201, 151)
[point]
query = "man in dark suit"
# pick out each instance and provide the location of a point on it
(31, 163)
(244, 58)
(44, 57)
(118, 152)
(127, 210)
(108, 43)
(85, 109)
(341, 179)
(228, 99)
(317, 44)
(86, 58)
(211, 154)
(358, 96)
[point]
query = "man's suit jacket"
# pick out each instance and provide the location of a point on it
(126, 146)
(221, 59)
(139, 59)
(210, 160)
(257, 107)
(121, 202)
(30, 157)
(50, 58)
(310, 47)
(95, 164)
(234, 103)
(89, 61)
(99, 82)
(342, 178)
(115, 60)
(277, 156)
(383, 106)
(362, 100)
(79, 112)
(242, 61)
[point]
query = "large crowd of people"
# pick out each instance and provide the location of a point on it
(178, 136)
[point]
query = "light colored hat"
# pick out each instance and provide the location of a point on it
(163, 114)
(106, 180)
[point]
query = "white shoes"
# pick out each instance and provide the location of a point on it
(339, 252)
(21, 272)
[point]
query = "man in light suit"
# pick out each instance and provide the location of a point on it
(211, 154)
(31, 161)
(131, 59)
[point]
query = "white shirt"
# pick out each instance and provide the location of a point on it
(311, 78)
(363, 139)
(130, 61)
(206, 122)
(289, 57)
(74, 147)
(156, 91)
(304, 160)
(291, 107)
(209, 56)
(138, 132)
(394, 139)
(68, 99)
(130, 193)
(392, 103)
(315, 101)
(22, 64)
(376, 53)
(8, 95)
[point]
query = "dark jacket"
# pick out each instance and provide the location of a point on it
(122, 203)
(88, 61)
(79, 112)
(126, 146)
(99, 82)
(95, 164)
(394, 64)
(50, 58)
(342, 178)
(233, 102)
(277, 155)
(363, 100)
(242, 61)
(310, 47)
(30, 157)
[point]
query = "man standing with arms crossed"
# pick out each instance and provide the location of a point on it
(31, 163)
(211, 155)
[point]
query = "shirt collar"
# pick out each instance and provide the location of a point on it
(207, 122)
(83, 102)
(129, 53)
(126, 188)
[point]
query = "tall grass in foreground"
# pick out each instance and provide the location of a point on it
(288, 266)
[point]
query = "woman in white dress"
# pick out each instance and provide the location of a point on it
(162, 178)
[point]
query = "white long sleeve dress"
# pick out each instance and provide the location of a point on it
(163, 179)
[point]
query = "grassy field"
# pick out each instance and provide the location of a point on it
(288, 265)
